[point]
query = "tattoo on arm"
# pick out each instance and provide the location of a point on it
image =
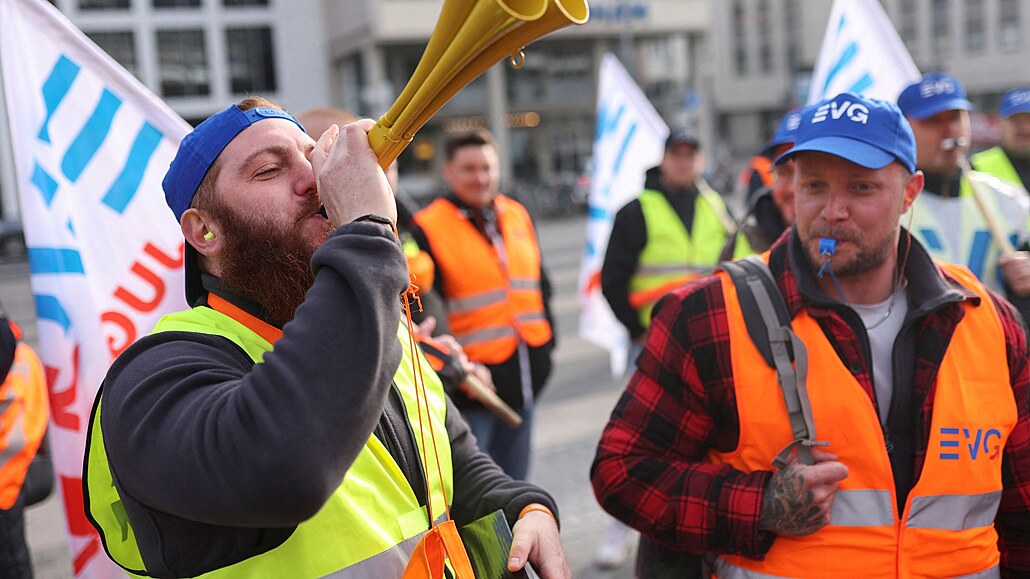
(787, 508)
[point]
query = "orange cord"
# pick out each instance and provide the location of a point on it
(420, 396)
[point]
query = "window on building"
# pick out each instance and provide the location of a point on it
(765, 41)
(941, 25)
(176, 3)
(908, 24)
(120, 45)
(740, 31)
(1008, 29)
(232, 3)
(792, 16)
(182, 59)
(976, 36)
(251, 59)
(103, 4)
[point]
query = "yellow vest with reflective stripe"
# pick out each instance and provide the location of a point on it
(367, 528)
(997, 163)
(947, 527)
(672, 257)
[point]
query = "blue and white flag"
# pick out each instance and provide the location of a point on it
(91, 145)
(861, 53)
(629, 140)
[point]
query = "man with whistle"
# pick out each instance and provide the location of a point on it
(286, 426)
(898, 427)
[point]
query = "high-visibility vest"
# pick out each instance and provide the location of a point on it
(420, 263)
(490, 307)
(947, 527)
(370, 525)
(758, 164)
(23, 418)
(953, 229)
(997, 163)
(672, 257)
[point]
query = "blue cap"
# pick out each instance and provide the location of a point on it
(786, 131)
(199, 149)
(868, 132)
(1015, 101)
(935, 93)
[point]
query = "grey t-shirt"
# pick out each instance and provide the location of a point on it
(881, 343)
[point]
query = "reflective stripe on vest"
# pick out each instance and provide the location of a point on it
(946, 529)
(24, 412)
(367, 528)
(997, 163)
(672, 257)
(724, 570)
(953, 229)
(491, 306)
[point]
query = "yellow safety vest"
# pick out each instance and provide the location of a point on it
(368, 527)
(672, 257)
(953, 230)
(997, 163)
(947, 526)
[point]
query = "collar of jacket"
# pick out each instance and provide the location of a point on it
(929, 287)
(936, 184)
(217, 286)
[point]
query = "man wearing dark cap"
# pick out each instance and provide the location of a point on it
(905, 451)
(286, 426)
(670, 234)
(1010, 160)
(947, 218)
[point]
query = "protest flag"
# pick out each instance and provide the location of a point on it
(628, 140)
(861, 53)
(91, 145)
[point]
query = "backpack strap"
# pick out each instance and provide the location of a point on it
(768, 324)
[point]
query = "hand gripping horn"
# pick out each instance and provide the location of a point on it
(470, 36)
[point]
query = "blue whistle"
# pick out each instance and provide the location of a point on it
(827, 246)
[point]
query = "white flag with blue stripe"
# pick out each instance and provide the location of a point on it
(629, 140)
(861, 53)
(91, 145)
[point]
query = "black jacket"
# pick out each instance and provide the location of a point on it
(217, 459)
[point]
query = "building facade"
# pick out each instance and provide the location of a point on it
(766, 51)
(200, 55)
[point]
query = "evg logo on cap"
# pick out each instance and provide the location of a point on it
(937, 86)
(856, 112)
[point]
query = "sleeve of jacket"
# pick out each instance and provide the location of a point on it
(1013, 519)
(480, 486)
(627, 240)
(194, 430)
(649, 470)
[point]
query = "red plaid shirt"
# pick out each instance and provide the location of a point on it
(680, 403)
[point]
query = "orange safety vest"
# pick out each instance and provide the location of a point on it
(757, 164)
(23, 418)
(947, 527)
(490, 307)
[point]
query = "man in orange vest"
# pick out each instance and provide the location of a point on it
(23, 420)
(900, 433)
(490, 273)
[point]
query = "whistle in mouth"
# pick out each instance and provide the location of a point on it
(827, 246)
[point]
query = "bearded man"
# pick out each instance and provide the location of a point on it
(286, 425)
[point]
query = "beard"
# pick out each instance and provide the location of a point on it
(268, 261)
(866, 260)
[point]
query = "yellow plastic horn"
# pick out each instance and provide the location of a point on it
(470, 36)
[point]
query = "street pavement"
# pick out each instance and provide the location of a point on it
(568, 421)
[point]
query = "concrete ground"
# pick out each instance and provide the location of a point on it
(569, 419)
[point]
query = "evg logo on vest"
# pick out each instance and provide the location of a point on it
(977, 443)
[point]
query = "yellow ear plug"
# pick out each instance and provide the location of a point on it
(209, 236)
